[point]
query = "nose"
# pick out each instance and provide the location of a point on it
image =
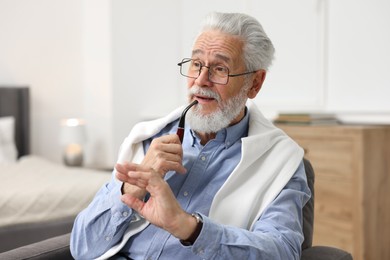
(203, 79)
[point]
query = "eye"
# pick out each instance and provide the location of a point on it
(221, 70)
(195, 64)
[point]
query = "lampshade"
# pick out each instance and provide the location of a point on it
(72, 131)
(72, 137)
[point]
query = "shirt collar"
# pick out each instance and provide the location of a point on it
(228, 135)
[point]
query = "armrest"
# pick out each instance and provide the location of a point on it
(52, 248)
(325, 253)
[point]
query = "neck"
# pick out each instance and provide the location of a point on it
(205, 137)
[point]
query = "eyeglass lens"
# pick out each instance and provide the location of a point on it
(192, 69)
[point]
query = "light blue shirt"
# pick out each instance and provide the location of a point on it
(276, 235)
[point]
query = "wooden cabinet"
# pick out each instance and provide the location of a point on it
(352, 186)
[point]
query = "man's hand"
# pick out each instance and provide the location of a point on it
(165, 154)
(122, 175)
(162, 209)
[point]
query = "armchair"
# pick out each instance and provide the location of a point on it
(58, 247)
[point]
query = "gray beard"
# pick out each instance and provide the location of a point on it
(227, 111)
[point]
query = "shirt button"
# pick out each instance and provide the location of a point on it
(125, 213)
(203, 158)
(107, 238)
(185, 193)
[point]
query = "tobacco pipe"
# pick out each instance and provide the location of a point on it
(180, 129)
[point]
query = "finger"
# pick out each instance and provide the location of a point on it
(120, 167)
(171, 138)
(133, 202)
(133, 178)
(163, 167)
(121, 171)
(139, 175)
(173, 155)
(146, 180)
(123, 177)
(180, 169)
(138, 182)
(167, 143)
(125, 167)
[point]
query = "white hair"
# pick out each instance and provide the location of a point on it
(258, 50)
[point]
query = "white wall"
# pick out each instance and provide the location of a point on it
(41, 47)
(61, 50)
(113, 62)
(98, 82)
(146, 43)
(359, 56)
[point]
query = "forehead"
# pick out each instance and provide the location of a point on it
(217, 45)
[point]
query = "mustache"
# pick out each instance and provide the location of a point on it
(206, 92)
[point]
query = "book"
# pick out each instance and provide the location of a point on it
(306, 118)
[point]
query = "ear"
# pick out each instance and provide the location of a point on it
(257, 82)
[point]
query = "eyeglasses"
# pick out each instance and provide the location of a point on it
(218, 74)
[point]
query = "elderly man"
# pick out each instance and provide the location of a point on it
(233, 188)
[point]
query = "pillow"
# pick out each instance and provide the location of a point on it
(8, 151)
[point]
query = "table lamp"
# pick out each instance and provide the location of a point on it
(72, 138)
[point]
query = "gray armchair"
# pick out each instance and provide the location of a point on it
(58, 247)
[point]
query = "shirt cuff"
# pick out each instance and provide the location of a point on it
(120, 212)
(207, 244)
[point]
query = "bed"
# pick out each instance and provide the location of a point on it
(39, 199)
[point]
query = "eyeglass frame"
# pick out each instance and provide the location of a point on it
(185, 60)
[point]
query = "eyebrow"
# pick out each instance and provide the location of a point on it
(218, 55)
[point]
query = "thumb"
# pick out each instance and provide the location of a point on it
(133, 202)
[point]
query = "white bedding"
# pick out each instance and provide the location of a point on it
(35, 190)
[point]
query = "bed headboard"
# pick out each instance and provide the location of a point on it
(14, 101)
